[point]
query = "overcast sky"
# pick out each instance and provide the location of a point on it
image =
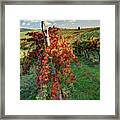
(60, 23)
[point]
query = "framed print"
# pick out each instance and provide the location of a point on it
(60, 59)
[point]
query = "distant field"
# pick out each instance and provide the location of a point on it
(23, 31)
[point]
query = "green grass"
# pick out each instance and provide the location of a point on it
(28, 88)
(86, 86)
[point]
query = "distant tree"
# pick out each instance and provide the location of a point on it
(42, 25)
(78, 28)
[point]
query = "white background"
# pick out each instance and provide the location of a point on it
(104, 106)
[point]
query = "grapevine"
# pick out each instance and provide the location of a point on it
(51, 63)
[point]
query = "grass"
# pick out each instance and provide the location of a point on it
(86, 87)
(28, 88)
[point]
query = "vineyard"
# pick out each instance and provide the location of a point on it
(62, 66)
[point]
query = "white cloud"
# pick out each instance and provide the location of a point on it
(23, 23)
(31, 21)
(52, 20)
(54, 23)
(72, 20)
(35, 20)
(62, 25)
(49, 23)
(28, 23)
(72, 23)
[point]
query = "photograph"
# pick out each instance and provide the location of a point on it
(59, 59)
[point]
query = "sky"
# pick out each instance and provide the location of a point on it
(60, 23)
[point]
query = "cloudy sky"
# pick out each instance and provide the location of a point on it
(60, 23)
